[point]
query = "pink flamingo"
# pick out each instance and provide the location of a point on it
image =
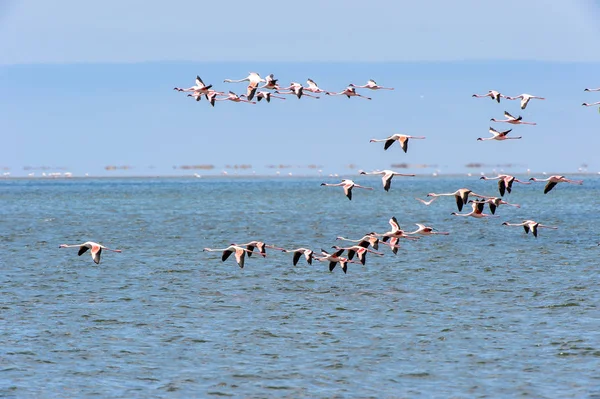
(461, 195)
(253, 77)
(402, 139)
(360, 252)
(371, 84)
(477, 211)
(387, 176)
(94, 247)
(369, 239)
(427, 231)
(314, 88)
(499, 135)
(590, 104)
(512, 120)
(530, 225)
(493, 94)
(505, 182)
(200, 86)
(554, 180)
(235, 98)
(308, 255)
(493, 203)
(295, 89)
(270, 83)
(426, 202)
(350, 92)
(598, 89)
(348, 186)
(240, 253)
(267, 96)
(334, 259)
(524, 99)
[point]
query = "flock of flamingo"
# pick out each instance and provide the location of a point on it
(270, 83)
(371, 241)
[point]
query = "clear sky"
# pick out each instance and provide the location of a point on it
(89, 84)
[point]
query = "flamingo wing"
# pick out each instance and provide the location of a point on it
(96, 252)
(296, 257)
(549, 186)
(82, 249)
(388, 144)
(501, 187)
(404, 143)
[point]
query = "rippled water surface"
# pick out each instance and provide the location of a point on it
(485, 312)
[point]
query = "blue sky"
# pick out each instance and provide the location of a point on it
(84, 85)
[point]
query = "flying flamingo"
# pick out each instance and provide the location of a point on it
(314, 88)
(387, 176)
(512, 120)
(296, 89)
(350, 92)
(334, 259)
(369, 239)
(394, 235)
(253, 77)
(598, 89)
(240, 253)
(493, 203)
(210, 95)
(590, 104)
(505, 182)
(426, 202)
(360, 252)
(493, 94)
(200, 86)
(499, 135)
(524, 99)
(371, 84)
(261, 246)
(308, 254)
(477, 211)
(267, 96)
(348, 186)
(235, 98)
(402, 139)
(270, 83)
(554, 180)
(96, 249)
(461, 195)
(530, 225)
(427, 231)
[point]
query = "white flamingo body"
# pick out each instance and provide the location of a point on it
(426, 202)
(252, 77)
(359, 251)
(240, 253)
(372, 85)
(512, 120)
(530, 225)
(427, 230)
(402, 139)
(524, 99)
(267, 96)
(554, 180)
(505, 182)
(591, 104)
(200, 86)
(493, 94)
(348, 185)
(369, 239)
(334, 259)
(461, 195)
(386, 177)
(94, 247)
(314, 88)
(350, 92)
(477, 211)
(496, 135)
(308, 255)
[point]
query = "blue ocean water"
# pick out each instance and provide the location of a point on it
(485, 312)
